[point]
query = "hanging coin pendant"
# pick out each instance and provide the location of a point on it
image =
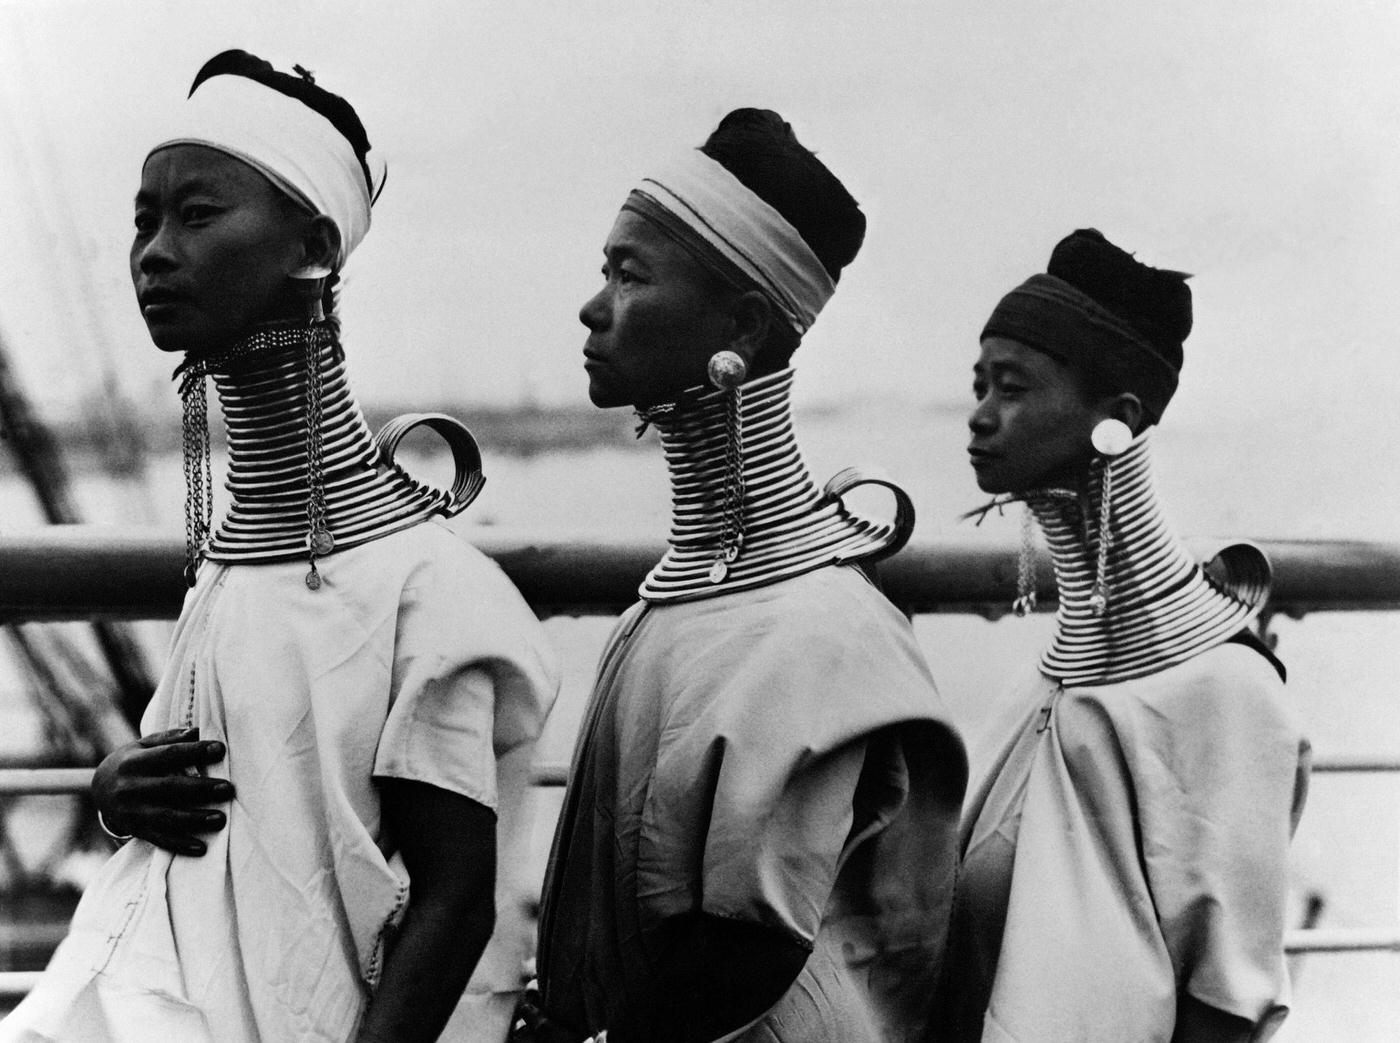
(313, 579)
(731, 554)
(1098, 604)
(320, 542)
(718, 571)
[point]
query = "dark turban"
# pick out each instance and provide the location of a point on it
(759, 148)
(1108, 316)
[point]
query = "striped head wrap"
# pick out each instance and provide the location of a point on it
(734, 233)
(306, 141)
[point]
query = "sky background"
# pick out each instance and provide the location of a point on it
(1256, 145)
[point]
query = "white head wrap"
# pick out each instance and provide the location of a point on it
(723, 212)
(293, 145)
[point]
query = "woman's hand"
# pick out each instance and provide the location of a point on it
(153, 789)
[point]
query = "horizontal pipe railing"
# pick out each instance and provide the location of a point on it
(1352, 762)
(80, 572)
(32, 782)
(1342, 939)
(86, 572)
(15, 985)
(29, 782)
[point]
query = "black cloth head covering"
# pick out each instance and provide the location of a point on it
(759, 148)
(337, 111)
(1105, 314)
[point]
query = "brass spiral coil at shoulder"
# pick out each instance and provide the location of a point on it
(367, 496)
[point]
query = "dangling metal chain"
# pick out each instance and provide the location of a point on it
(1098, 598)
(732, 535)
(1025, 600)
(199, 474)
(199, 477)
(198, 467)
(319, 541)
(1024, 604)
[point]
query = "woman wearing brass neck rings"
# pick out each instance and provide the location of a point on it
(1125, 861)
(345, 672)
(757, 837)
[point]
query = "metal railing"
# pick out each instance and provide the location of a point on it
(79, 572)
(83, 572)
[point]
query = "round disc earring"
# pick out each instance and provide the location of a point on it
(727, 370)
(1111, 437)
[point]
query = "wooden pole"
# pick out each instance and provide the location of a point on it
(37, 453)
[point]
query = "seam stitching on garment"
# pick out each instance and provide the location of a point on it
(376, 963)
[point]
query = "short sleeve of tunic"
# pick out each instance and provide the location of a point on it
(790, 743)
(1221, 776)
(776, 863)
(472, 677)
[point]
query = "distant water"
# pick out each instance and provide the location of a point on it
(1295, 477)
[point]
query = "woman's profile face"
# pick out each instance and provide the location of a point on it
(656, 321)
(214, 248)
(1031, 425)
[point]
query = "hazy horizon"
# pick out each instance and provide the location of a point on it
(1255, 145)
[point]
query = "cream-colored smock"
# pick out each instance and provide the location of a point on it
(776, 756)
(1130, 843)
(417, 659)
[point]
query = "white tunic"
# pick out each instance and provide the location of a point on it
(1130, 844)
(774, 756)
(416, 660)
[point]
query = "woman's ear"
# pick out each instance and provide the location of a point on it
(1126, 407)
(752, 316)
(320, 246)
